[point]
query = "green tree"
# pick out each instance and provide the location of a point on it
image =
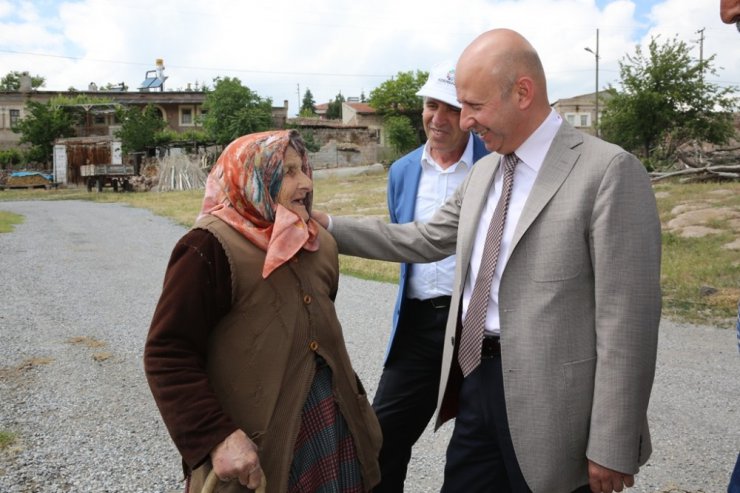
(140, 129)
(234, 110)
(42, 125)
(334, 110)
(397, 97)
(666, 101)
(400, 133)
(307, 106)
(12, 81)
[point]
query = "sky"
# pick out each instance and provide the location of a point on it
(280, 48)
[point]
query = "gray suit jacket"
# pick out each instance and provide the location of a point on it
(579, 304)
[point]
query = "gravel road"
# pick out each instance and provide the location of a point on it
(80, 281)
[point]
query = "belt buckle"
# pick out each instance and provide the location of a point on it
(491, 347)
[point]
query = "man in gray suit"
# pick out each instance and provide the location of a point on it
(557, 398)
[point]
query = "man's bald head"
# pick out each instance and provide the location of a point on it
(501, 85)
(506, 55)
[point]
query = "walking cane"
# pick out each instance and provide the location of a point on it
(212, 480)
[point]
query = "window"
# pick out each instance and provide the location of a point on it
(186, 116)
(15, 115)
(99, 119)
(579, 120)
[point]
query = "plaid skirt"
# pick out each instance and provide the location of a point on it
(324, 458)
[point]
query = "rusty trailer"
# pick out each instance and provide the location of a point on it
(101, 175)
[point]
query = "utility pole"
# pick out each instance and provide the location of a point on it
(700, 32)
(596, 105)
(298, 90)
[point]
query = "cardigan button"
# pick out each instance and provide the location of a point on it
(307, 299)
(313, 346)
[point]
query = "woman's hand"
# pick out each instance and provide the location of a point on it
(236, 458)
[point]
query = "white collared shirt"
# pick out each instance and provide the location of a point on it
(531, 154)
(435, 185)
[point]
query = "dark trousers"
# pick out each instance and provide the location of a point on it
(734, 486)
(407, 392)
(480, 455)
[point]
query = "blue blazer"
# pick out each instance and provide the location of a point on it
(403, 185)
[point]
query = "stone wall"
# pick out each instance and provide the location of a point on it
(344, 146)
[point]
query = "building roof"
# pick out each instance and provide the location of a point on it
(603, 95)
(361, 107)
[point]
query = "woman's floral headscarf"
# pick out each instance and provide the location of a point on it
(242, 190)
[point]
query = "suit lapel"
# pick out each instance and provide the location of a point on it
(558, 163)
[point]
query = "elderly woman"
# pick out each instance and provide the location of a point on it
(245, 355)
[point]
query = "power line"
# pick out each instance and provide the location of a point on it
(212, 69)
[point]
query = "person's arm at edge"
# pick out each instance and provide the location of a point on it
(626, 249)
(196, 293)
(414, 242)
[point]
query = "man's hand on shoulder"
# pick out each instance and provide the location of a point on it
(320, 217)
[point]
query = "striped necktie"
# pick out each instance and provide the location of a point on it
(471, 339)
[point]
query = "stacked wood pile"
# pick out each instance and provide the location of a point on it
(180, 172)
(699, 163)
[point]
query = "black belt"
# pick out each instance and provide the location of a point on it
(437, 303)
(491, 347)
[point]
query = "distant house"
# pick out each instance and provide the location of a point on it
(356, 113)
(580, 111)
(180, 109)
(356, 139)
(320, 110)
(363, 115)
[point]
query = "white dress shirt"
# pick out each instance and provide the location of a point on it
(435, 185)
(531, 154)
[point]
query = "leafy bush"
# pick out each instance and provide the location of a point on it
(10, 158)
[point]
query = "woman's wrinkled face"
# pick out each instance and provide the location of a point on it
(296, 185)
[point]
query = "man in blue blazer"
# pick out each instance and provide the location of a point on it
(418, 183)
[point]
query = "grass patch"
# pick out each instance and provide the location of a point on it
(689, 264)
(103, 356)
(672, 194)
(7, 439)
(8, 220)
(86, 341)
(12, 372)
(180, 206)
